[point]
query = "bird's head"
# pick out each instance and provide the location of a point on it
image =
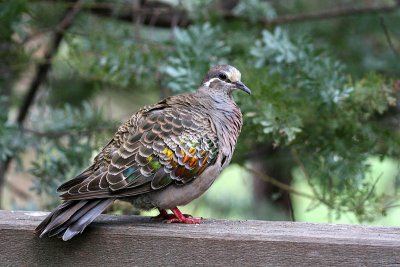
(224, 78)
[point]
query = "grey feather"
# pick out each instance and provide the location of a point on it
(78, 226)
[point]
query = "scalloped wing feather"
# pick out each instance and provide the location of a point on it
(165, 145)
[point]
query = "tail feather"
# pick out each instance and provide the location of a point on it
(75, 217)
(40, 228)
(71, 217)
(61, 216)
(78, 226)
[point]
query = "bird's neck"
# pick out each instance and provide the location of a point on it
(227, 120)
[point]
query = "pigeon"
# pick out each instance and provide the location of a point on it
(164, 156)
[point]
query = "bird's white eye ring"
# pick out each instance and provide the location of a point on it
(222, 76)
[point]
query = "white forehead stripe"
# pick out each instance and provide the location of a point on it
(234, 74)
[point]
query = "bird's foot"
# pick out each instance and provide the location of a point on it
(178, 217)
(164, 215)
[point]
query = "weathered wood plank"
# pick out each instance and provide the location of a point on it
(137, 241)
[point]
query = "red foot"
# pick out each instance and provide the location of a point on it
(162, 216)
(178, 217)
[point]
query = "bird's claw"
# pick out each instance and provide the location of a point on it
(176, 217)
(188, 219)
(159, 217)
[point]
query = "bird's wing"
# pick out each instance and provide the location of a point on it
(167, 146)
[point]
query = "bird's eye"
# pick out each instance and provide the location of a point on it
(222, 76)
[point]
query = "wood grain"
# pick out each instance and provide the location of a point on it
(137, 241)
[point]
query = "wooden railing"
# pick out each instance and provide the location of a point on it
(137, 241)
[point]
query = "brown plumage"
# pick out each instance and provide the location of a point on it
(165, 155)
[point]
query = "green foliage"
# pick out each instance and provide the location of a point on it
(56, 163)
(197, 9)
(360, 41)
(320, 114)
(196, 49)
(274, 48)
(115, 59)
(255, 10)
(11, 52)
(11, 16)
(66, 139)
(299, 80)
(11, 141)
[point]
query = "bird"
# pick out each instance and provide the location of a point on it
(166, 155)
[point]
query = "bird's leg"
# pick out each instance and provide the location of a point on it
(164, 215)
(182, 218)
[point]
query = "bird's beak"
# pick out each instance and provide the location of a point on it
(243, 87)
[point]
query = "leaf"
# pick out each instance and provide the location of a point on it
(196, 51)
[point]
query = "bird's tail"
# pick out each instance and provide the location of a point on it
(71, 217)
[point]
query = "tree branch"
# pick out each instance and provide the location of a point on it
(43, 68)
(162, 15)
(151, 13)
(334, 13)
(388, 38)
(278, 184)
(59, 134)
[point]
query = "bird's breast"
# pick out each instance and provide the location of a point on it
(228, 125)
(180, 195)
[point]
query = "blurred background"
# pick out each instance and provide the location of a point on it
(321, 135)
